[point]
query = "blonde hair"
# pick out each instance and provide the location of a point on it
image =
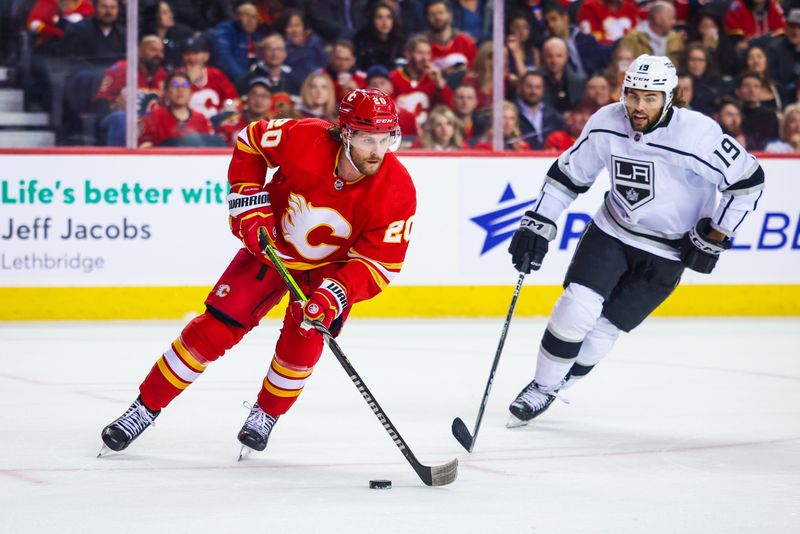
(509, 106)
(329, 109)
(791, 109)
(442, 112)
(482, 66)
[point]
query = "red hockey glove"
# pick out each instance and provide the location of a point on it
(323, 306)
(250, 210)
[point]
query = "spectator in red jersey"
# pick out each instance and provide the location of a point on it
(563, 86)
(378, 78)
(110, 99)
(342, 69)
(317, 97)
(586, 56)
(419, 85)
(305, 51)
(597, 92)
(451, 51)
(465, 105)
(272, 66)
(212, 92)
(784, 58)
(756, 61)
(234, 42)
(656, 36)
(175, 119)
(537, 119)
(728, 114)
(158, 20)
(48, 19)
(512, 140)
(607, 20)
(381, 41)
(257, 106)
(575, 119)
(746, 19)
(442, 131)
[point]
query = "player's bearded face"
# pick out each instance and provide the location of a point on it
(367, 151)
(644, 108)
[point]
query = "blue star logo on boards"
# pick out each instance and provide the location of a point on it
(501, 223)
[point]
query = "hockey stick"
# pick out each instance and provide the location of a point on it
(460, 431)
(438, 475)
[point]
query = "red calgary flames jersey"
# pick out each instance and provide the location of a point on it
(365, 225)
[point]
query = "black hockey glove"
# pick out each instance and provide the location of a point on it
(699, 252)
(529, 244)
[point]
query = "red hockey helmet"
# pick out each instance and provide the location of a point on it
(368, 110)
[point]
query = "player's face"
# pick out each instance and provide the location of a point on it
(644, 108)
(367, 150)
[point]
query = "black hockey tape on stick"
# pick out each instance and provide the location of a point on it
(438, 475)
(460, 431)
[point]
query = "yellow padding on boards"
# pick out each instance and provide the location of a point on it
(101, 303)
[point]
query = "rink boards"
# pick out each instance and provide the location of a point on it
(124, 235)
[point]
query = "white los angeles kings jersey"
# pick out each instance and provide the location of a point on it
(662, 182)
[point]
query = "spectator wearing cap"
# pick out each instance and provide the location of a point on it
(759, 124)
(607, 20)
(656, 36)
(783, 53)
(337, 19)
(212, 91)
(537, 119)
(563, 86)
(158, 19)
(586, 56)
(99, 40)
(305, 51)
(110, 99)
(380, 41)
(379, 78)
(419, 85)
(233, 42)
(746, 19)
(257, 104)
(49, 18)
(175, 119)
(450, 50)
(318, 97)
(272, 67)
(342, 69)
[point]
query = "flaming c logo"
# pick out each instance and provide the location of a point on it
(301, 218)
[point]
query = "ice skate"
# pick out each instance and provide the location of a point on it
(531, 401)
(255, 432)
(120, 433)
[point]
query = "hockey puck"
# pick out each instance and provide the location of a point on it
(380, 484)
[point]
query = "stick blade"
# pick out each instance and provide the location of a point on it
(462, 435)
(442, 475)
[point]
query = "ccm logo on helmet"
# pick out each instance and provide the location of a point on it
(384, 121)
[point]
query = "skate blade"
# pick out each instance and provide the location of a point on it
(514, 422)
(104, 451)
(244, 453)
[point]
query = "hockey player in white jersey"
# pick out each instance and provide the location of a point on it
(680, 189)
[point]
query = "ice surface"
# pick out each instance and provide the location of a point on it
(688, 426)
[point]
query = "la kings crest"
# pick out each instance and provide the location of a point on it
(633, 181)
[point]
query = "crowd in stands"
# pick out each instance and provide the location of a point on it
(206, 68)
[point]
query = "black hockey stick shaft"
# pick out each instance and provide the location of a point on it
(459, 429)
(431, 476)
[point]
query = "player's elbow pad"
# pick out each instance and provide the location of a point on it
(699, 252)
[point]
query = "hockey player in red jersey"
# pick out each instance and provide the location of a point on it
(338, 211)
